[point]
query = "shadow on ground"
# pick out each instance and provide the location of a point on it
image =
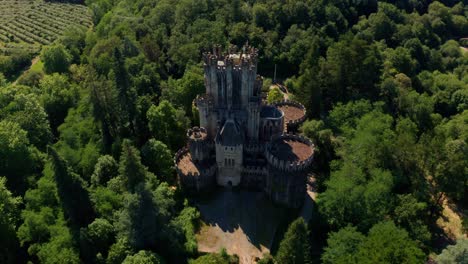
(251, 212)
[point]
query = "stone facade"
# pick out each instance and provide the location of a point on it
(241, 141)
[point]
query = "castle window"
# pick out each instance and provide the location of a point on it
(225, 162)
(232, 148)
(233, 162)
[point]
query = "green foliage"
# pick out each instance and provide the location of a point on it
(72, 191)
(216, 258)
(44, 229)
(106, 168)
(143, 257)
(56, 58)
(457, 253)
(385, 81)
(157, 156)
(188, 220)
(96, 238)
(385, 243)
(16, 157)
(295, 246)
(183, 91)
(118, 251)
(274, 95)
(342, 246)
(57, 96)
(167, 124)
(9, 219)
(131, 171)
(352, 197)
(17, 106)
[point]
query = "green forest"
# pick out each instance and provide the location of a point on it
(88, 134)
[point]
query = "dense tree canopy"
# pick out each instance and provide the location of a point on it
(87, 142)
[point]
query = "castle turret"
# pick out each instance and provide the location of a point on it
(289, 158)
(199, 145)
(253, 119)
(232, 78)
(205, 103)
(294, 115)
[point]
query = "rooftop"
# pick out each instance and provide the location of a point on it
(186, 164)
(291, 112)
(291, 150)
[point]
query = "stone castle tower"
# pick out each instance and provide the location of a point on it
(241, 141)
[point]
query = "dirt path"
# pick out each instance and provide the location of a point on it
(33, 61)
(451, 220)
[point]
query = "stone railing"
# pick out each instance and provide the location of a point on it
(286, 165)
(197, 133)
(203, 179)
(297, 122)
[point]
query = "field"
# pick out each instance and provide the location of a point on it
(26, 25)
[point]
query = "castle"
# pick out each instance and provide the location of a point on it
(241, 141)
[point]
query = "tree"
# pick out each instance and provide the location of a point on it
(144, 257)
(105, 169)
(57, 96)
(274, 95)
(295, 246)
(56, 58)
(342, 246)
(157, 156)
(183, 91)
(119, 251)
(188, 220)
(18, 106)
(16, 156)
(131, 171)
(386, 243)
(216, 258)
(352, 197)
(72, 191)
(9, 219)
(167, 124)
(96, 239)
(457, 253)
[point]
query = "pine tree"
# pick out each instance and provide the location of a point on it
(72, 192)
(295, 246)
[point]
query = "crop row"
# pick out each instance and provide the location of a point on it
(27, 24)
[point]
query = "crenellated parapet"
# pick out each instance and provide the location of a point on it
(245, 58)
(294, 114)
(193, 175)
(290, 153)
(289, 158)
(199, 144)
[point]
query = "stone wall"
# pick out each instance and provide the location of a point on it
(205, 179)
(286, 180)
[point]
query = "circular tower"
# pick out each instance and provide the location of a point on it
(199, 145)
(289, 158)
(294, 114)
